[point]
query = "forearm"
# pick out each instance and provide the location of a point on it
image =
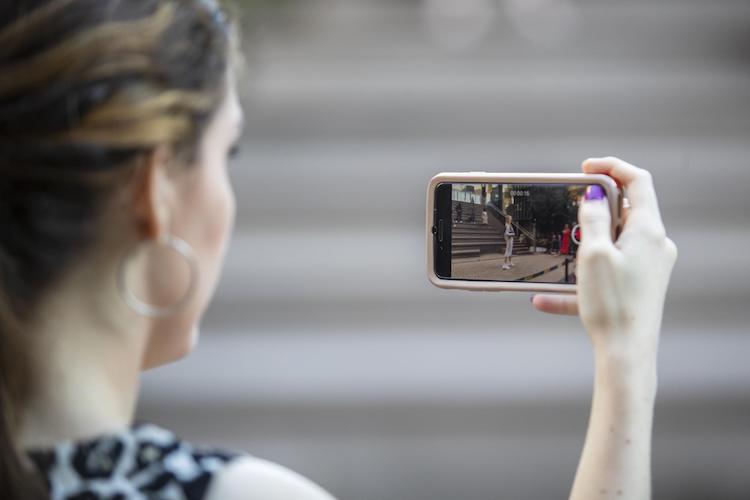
(615, 462)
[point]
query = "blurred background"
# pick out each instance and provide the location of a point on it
(327, 350)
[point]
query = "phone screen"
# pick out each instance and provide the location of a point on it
(507, 232)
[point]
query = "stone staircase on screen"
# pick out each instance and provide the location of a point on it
(472, 238)
(475, 240)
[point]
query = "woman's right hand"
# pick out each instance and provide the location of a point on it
(620, 285)
(621, 288)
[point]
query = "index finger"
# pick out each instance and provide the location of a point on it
(636, 180)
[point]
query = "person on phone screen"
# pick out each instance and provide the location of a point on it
(555, 244)
(114, 222)
(565, 244)
(509, 234)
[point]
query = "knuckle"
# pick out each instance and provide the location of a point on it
(596, 252)
(655, 232)
(644, 175)
(670, 248)
(591, 213)
(615, 162)
(638, 173)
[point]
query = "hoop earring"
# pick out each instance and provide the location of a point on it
(183, 249)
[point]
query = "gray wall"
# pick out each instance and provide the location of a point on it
(325, 348)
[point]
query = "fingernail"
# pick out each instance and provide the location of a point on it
(595, 192)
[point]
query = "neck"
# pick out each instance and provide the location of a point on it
(86, 372)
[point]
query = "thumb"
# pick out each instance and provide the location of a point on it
(594, 217)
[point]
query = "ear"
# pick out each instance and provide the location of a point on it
(152, 195)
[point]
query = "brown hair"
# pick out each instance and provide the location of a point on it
(87, 87)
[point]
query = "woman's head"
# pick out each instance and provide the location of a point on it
(116, 118)
(508, 219)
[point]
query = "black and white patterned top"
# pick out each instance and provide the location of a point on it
(145, 462)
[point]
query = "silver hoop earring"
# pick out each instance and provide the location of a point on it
(183, 249)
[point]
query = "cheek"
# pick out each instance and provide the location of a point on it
(204, 218)
(205, 221)
(213, 218)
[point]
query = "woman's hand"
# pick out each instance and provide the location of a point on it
(621, 285)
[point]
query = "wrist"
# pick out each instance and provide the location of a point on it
(629, 374)
(632, 344)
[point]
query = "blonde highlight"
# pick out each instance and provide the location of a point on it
(117, 37)
(14, 34)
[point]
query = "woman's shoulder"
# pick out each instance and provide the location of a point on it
(252, 478)
(143, 461)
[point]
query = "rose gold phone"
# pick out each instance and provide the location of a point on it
(509, 231)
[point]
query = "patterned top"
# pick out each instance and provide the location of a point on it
(144, 462)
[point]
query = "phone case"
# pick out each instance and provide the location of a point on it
(614, 196)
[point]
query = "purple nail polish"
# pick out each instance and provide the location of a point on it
(595, 192)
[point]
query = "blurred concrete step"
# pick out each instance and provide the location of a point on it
(369, 367)
(268, 266)
(502, 30)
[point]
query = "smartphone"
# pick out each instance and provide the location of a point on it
(509, 231)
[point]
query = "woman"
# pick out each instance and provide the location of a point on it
(508, 234)
(555, 244)
(565, 245)
(115, 211)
